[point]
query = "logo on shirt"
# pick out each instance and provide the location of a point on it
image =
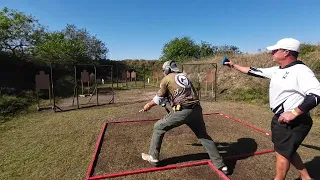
(182, 80)
(285, 75)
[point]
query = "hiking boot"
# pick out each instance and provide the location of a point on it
(150, 159)
(225, 170)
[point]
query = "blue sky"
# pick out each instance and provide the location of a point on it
(138, 29)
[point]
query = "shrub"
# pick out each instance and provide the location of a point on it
(10, 105)
(307, 48)
(251, 94)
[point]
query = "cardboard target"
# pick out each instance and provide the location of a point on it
(42, 80)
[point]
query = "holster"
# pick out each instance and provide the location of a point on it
(179, 107)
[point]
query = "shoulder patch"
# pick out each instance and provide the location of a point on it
(182, 80)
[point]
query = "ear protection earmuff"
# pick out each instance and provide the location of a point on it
(167, 69)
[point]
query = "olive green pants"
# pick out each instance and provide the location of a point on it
(192, 118)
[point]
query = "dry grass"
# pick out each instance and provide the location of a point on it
(233, 85)
(47, 145)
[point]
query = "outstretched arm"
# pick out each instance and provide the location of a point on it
(252, 71)
(160, 97)
(242, 69)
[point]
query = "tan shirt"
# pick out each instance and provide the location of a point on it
(177, 88)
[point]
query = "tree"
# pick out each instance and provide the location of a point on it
(185, 48)
(94, 48)
(226, 49)
(70, 46)
(180, 49)
(18, 32)
(55, 48)
(206, 49)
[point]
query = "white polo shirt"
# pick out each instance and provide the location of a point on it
(289, 85)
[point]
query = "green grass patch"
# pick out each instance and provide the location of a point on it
(251, 94)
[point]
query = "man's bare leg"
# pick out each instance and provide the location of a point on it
(282, 167)
(296, 161)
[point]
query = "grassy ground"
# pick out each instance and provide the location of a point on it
(47, 145)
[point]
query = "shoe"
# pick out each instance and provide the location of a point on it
(150, 159)
(225, 170)
(299, 178)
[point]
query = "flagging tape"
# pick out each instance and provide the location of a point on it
(94, 157)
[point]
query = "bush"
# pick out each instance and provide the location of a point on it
(307, 48)
(10, 105)
(251, 94)
(7, 91)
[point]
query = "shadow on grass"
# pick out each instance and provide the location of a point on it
(313, 167)
(311, 147)
(242, 146)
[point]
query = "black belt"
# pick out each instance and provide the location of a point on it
(187, 106)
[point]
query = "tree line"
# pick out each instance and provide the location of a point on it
(26, 45)
(22, 36)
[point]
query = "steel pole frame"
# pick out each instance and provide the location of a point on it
(75, 93)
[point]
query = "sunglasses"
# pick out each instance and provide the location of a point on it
(276, 50)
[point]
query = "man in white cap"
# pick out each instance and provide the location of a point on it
(177, 88)
(294, 91)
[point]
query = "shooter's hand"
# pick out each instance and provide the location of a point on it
(287, 117)
(146, 107)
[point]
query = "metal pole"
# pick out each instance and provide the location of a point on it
(112, 89)
(96, 85)
(118, 77)
(126, 79)
(199, 85)
(112, 76)
(215, 83)
(52, 87)
(75, 85)
(38, 103)
(144, 78)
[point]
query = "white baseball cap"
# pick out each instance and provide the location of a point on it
(286, 43)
